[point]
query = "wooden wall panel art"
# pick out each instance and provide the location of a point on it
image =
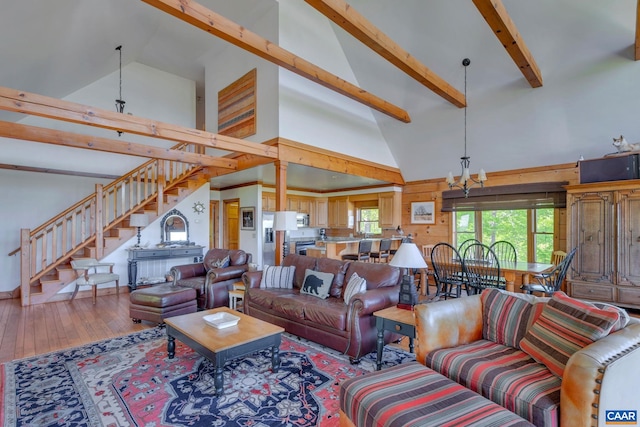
(237, 107)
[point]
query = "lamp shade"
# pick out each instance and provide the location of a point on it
(138, 220)
(285, 221)
(408, 256)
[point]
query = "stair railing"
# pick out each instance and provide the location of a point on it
(53, 242)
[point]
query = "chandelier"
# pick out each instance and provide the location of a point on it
(120, 102)
(466, 182)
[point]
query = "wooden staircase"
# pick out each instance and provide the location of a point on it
(99, 224)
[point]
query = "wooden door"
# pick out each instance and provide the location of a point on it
(231, 224)
(629, 238)
(592, 232)
(214, 207)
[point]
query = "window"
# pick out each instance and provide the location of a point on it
(524, 228)
(368, 221)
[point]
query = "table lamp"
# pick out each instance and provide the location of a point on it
(285, 221)
(138, 220)
(408, 256)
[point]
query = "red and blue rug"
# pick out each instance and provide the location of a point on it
(129, 381)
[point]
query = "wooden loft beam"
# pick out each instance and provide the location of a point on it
(500, 22)
(302, 154)
(219, 26)
(43, 106)
(637, 46)
(346, 17)
(68, 139)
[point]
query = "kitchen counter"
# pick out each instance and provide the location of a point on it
(335, 247)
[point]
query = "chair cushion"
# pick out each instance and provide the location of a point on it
(565, 326)
(505, 375)
(97, 278)
(316, 283)
(504, 317)
(356, 285)
(277, 277)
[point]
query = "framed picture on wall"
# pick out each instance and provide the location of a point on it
(248, 218)
(423, 213)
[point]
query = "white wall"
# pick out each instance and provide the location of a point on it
(29, 199)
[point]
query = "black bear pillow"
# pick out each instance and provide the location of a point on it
(316, 283)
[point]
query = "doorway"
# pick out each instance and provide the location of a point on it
(231, 238)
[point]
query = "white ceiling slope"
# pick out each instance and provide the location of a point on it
(583, 48)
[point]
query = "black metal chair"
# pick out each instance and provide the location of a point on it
(384, 251)
(364, 251)
(448, 271)
(482, 268)
(505, 251)
(550, 282)
(463, 246)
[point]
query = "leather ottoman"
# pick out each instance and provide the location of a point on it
(159, 302)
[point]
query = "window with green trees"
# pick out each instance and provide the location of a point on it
(529, 230)
(368, 221)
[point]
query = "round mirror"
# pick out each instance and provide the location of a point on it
(174, 228)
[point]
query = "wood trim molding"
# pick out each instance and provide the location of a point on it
(89, 142)
(56, 172)
(346, 17)
(500, 22)
(44, 106)
(219, 26)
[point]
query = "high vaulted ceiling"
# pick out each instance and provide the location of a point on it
(56, 47)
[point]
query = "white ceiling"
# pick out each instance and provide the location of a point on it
(56, 47)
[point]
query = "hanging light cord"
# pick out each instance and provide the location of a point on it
(120, 102)
(466, 63)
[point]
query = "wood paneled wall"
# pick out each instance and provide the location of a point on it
(431, 190)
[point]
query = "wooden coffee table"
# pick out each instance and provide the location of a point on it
(221, 345)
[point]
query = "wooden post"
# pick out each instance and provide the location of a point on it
(25, 269)
(99, 223)
(160, 192)
(281, 204)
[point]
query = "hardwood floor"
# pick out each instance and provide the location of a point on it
(27, 331)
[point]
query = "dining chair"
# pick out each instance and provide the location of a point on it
(448, 271)
(550, 281)
(364, 252)
(463, 246)
(557, 257)
(426, 253)
(92, 273)
(505, 251)
(482, 268)
(384, 251)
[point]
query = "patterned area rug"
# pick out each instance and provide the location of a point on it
(129, 381)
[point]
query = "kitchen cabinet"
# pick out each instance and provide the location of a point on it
(319, 213)
(340, 212)
(299, 204)
(604, 224)
(268, 202)
(389, 209)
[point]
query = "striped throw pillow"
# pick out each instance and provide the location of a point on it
(504, 317)
(565, 326)
(277, 277)
(355, 285)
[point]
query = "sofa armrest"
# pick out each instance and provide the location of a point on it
(186, 271)
(446, 324)
(374, 299)
(252, 279)
(222, 274)
(602, 376)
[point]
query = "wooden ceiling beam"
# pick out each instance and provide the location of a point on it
(346, 17)
(69, 139)
(500, 22)
(43, 106)
(219, 26)
(637, 44)
(302, 154)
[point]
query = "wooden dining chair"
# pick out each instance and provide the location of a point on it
(557, 257)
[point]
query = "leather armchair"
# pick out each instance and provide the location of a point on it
(212, 283)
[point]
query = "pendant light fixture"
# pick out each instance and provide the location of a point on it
(466, 182)
(120, 102)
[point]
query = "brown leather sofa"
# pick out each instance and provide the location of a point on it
(349, 328)
(212, 284)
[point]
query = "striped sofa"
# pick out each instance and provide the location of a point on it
(552, 361)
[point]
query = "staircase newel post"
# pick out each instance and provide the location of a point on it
(161, 184)
(25, 266)
(99, 222)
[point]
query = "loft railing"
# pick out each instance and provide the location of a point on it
(50, 244)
